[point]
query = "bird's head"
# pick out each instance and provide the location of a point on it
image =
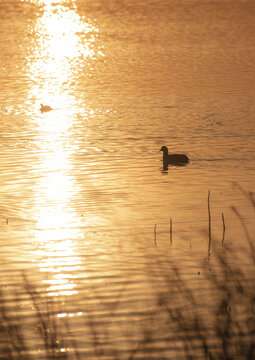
(164, 149)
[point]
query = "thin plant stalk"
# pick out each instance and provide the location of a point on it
(209, 223)
(155, 234)
(224, 228)
(171, 231)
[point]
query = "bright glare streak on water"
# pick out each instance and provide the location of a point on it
(62, 42)
(58, 50)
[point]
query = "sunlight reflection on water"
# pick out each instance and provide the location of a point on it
(62, 42)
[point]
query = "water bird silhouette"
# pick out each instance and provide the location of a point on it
(173, 159)
(45, 108)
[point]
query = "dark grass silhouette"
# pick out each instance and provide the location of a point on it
(217, 325)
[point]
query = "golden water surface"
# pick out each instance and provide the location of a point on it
(82, 186)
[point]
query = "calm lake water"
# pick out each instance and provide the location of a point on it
(82, 186)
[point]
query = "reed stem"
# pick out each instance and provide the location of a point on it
(209, 225)
(155, 234)
(171, 231)
(224, 228)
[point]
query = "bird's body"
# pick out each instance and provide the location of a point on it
(173, 159)
(45, 108)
